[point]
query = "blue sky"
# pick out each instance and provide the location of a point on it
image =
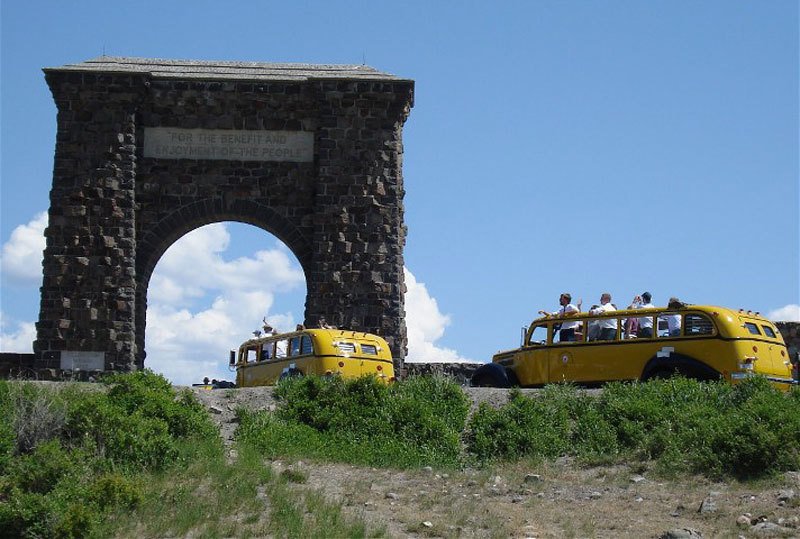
(553, 146)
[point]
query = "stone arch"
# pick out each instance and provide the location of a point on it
(148, 150)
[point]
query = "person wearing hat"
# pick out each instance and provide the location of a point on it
(645, 323)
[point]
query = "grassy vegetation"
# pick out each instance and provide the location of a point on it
(745, 431)
(141, 460)
(411, 424)
(138, 460)
(213, 498)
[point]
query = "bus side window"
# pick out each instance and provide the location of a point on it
(697, 324)
(267, 351)
(669, 325)
(294, 346)
(538, 335)
(281, 348)
(605, 329)
(306, 346)
(579, 332)
(567, 336)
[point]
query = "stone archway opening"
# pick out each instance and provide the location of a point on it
(195, 317)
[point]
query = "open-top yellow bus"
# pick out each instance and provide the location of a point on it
(324, 352)
(696, 341)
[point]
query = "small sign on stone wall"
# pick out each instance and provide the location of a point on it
(83, 361)
(228, 144)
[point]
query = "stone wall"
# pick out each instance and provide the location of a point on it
(114, 211)
(791, 335)
(460, 373)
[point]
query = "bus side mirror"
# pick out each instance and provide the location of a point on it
(232, 360)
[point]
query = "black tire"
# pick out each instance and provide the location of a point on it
(291, 373)
(663, 375)
(492, 375)
(679, 365)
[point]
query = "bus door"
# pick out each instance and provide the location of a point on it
(531, 365)
(583, 362)
(561, 355)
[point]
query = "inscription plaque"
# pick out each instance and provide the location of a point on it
(227, 144)
(83, 361)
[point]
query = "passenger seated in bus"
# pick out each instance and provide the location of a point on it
(268, 330)
(280, 348)
(567, 331)
(294, 346)
(674, 320)
(608, 326)
(593, 330)
(323, 324)
(631, 324)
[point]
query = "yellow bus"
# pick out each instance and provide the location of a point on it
(696, 341)
(324, 352)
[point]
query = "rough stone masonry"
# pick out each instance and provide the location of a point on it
(148, 150)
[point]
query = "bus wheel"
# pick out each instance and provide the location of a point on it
(664, 374)
(291, 373)
(490, 375)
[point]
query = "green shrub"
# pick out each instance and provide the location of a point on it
(33, 413)
(138, 422)
(754, 431)
(126, 439)
(40, 470)
(363, 421)
(151, 395)
(63, 476)
(114, 490)
(744, 430)
(76, 520)
(436, 393)
(559, 421)
(27, 514)
(7, 439)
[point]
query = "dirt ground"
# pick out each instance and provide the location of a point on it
(555, 499)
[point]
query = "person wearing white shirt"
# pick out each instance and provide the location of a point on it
(567, 332)
(646, 323)
(674, 319)
(608, 326)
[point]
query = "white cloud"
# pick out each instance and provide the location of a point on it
(195, 261)
(186, 343)
(425, 325)
(18, 339)
(21, 257)
(787, 313)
